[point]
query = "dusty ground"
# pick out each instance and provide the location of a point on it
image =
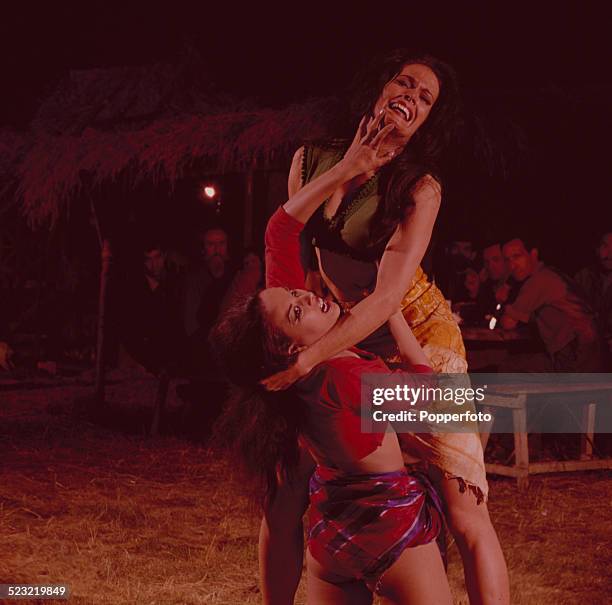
(121, 518)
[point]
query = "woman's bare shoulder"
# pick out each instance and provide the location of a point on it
(427, 189)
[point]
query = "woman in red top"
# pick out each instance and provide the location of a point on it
(372, 525)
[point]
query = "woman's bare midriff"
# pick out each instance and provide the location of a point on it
(386, 458)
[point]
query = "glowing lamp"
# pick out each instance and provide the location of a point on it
(209, 192)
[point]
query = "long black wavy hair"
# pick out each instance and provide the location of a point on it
(259, 429)
(427, 150)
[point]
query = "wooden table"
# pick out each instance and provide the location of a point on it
(487, 348)
(485, 335)
(516, 398)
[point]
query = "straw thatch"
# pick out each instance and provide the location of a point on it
(55, 167)
(152, 123)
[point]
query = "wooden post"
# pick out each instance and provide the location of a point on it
(249, 203)
(588, 431)
(521, 445)
(485, 427)
(104, 275)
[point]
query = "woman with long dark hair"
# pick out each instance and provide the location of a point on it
(369, 237)
(372, 524)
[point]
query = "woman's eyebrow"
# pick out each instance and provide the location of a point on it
(289, 312)
(407, 77)
(413, 83)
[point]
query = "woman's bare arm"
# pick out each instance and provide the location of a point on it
(409, 348)
(362, 157)
(281, 537)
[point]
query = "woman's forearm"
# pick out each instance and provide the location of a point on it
(304, 202)
(365, 317)
(409, 348)
(361, 158)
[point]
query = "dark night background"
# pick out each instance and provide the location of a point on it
(86, 499)
(544, 67)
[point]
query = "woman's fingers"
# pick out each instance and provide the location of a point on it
(372, 127)
(281, 380)
(381, 136)
(366, 151)
(361, 129)
(385, 158)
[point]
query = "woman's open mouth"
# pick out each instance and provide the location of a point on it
(402, 109)
(324, 305)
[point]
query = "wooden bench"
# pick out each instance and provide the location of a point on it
(516, 399)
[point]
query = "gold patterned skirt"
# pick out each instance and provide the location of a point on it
(458, 455)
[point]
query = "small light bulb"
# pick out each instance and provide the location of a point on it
(210, 192)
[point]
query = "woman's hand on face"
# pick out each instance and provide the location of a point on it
(365, 154)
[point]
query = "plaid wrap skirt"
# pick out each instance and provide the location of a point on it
(364, 522)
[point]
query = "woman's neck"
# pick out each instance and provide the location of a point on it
(345, 353)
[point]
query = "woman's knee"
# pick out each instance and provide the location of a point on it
(467, 520)
(470, 523)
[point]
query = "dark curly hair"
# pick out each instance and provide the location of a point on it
(260, 429)
(436, 134)
(428, 147)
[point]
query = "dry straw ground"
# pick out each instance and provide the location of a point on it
(125, 519)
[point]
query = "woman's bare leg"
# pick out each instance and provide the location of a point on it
(484, 567)
(323, 588)
(416, 578)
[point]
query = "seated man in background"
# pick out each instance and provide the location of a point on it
(149, 313)
(497, 286)
(211, 284)
(460, 256)
(564, 320)
(596, 284)
(206, 284)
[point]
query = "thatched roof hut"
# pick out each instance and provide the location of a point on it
(164, 150)
(129, 125)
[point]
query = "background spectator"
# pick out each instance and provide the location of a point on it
(149, 313)
(207, 282)
(497, 286)
(564, 320)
